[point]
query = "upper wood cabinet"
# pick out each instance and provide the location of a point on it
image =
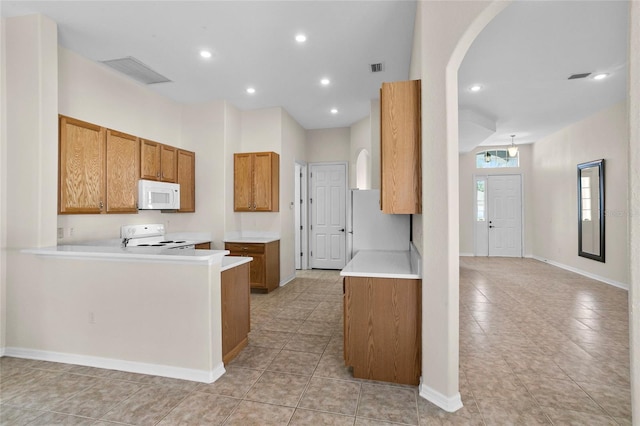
(400, 148)
(158, 161)
(186, 172)
(256, 182)
(81, 187)
(122, 172)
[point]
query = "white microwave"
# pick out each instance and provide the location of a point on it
(154, 195)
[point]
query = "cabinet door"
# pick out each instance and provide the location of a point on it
(82, 163)
(123, 169)
(257, 275)
(168, 164)
(187, 180)
(266, 183)
(242, 180)
(149, 160)
(400, 148)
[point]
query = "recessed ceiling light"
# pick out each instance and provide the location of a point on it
(334, 111)
(475, 88)
(251, 90)
(205, 54)
(301, 38)
(600, 76)
(325, 81)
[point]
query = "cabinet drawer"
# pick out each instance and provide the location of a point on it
(245, 248)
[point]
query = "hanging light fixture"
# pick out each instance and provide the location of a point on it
(513, 149)
(487, 157)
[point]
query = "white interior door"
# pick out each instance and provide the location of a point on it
(328, 183)
(504, 211)
(481, 221)
(300, 214)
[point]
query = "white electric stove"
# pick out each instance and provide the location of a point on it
(152, 235)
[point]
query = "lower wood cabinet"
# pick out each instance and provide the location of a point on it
(382, 328)
(236, 300)
(265, 267)
(203, 246)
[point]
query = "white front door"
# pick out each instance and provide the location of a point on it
(328, 215)
(504, 212)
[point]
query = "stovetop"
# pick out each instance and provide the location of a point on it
(149, 236)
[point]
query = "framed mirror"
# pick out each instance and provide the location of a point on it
(591, 210)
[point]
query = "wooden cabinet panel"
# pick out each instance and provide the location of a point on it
(187, 180)
(122, 172)
(236, 300)
(203, 246)
(242, 182)
(81, 167)
(382, 328)
(400, 147)
(168, 164)
(265, 267)
(150, 160)
(256, 182)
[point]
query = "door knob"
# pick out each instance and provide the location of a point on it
(491, 226)
(342, 230)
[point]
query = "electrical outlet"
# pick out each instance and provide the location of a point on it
(60, 233)
(92, 318)
(71, 232)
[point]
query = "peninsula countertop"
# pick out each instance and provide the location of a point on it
(404, 264)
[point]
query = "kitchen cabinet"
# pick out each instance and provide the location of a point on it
(236, 299)
(265, 267)
(382, 328)
(203, 246)
(122, 171)
(400, 148)
(81, 187)
(186, 177)
(158, 161)
(256, 177)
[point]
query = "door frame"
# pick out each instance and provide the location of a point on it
(485, 176)
(301, 214)
(309, 211)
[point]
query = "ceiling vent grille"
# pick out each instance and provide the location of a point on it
(379, 67)
(137, 70)
(576, 76)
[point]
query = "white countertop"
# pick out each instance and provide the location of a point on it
(229, 262)
(109, 252)
(250, 237)
(251, 240)
(384, 264)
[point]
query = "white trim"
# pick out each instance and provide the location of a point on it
(450, 404)
(288, 280)
(204, 376)
(2, 352)
(584, 273)
(467, 255)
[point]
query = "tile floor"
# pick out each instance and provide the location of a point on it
(538, 345)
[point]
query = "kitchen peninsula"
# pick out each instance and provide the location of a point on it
(138, 309)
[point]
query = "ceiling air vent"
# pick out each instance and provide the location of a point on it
(379, 67)
(576, 76)
(136, 70)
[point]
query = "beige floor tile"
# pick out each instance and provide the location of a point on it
(249, 413)
(51, 418)
(269, 339)
(307, 343)
(51, 391)
(201, 409)
(236, 382)
(254, 357)
(515, 412)
(307, 417)
(278, 388)
(561, 394)
(147, 406)
(562, 416)
(331, 365)
(388, 403)
(17, 416)
(615, 400)
(97, 400)
(295, 362)
(335, 396)
(320, 328)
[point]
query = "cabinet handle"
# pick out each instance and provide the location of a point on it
(254, 206)
(158, 174)
(101, 205)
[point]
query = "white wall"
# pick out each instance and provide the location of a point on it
(375, 144)
(232, 134)
(3, 187)
(555, 206)
(328, 145)
(360, 140)
(468, 169)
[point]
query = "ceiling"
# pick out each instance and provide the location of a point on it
(252, 44)
(522, 58)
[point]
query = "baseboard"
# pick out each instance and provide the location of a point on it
(287, 280)
(2, 352)
(203, 376)
(449, 404)
(583, 273)
(467, 255)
